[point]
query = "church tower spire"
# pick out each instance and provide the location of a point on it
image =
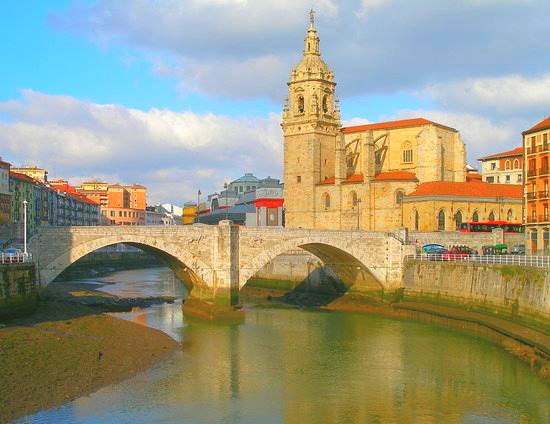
(311, 122)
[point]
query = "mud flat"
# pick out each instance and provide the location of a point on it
(66, 350)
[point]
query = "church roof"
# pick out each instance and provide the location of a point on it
(403, 123)
(468, 189)
(395, 176)
(518, 151)
(542, 125)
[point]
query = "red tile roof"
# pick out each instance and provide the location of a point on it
(395, 175)
(403, 123)
(473, 176)
(542, 125)
(23, 177)
(354, 178)
(518, 151)
(470, 189)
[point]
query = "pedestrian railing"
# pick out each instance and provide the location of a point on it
(521, 260)
(16, 258)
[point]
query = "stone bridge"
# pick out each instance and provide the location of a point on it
(215, 262)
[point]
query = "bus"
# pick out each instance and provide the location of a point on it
(488, 226)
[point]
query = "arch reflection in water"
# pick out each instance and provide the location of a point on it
(294, 366)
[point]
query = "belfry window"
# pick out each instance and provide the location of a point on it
(325, 104)
(301, 104)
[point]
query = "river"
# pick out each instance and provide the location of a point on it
(286, 365)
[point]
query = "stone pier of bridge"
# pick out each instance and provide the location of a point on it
(215, 262)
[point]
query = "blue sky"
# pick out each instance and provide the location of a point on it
(186, 94)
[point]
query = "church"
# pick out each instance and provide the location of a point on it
(378, 176)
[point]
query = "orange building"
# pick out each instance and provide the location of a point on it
(120, 204)
(537, 218)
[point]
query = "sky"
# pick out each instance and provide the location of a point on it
(182, 95)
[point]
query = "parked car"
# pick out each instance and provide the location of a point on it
(436, 249)
(518, 249)
(458, 252)
(497, 249)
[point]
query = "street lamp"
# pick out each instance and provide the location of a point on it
(25, 228)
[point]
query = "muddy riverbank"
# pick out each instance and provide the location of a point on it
(67, 350)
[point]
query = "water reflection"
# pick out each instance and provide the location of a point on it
(292, 366)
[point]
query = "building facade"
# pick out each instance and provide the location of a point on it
(248, 200)
(503, 168)
(536, 149)
(443, 205)
(33, 171)
(120, 204)
(5, 193)
(355, 177)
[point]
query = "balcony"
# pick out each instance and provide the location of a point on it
(531, 173)
(543, 195)
(545, 147)
(532, 150)
(544, 171)
(531, 219)
(543, 219)
(531, 195)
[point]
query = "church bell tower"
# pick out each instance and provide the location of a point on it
(311, 123)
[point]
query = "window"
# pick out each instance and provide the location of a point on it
(492, 216)
(507, 179)
(416, 220)
(516, 164)
(301, 104)
(546, 238)
(325, 104)
(509, 215)
(353, 200)
(241, 189)
(519, 178)
(458, 219)
(441, 221)
(490, 179)
(299, 179)
(475, 217)
(247, 188)
(399, 197)
(507, 164)
(493, 166)
(407, 152)
(326, 200)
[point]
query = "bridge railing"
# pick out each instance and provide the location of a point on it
(520, 260)
(17, 258)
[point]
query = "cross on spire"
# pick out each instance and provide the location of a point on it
(312, 17)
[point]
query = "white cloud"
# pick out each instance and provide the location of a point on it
(368, 5)
(506, 94)
(177, 151)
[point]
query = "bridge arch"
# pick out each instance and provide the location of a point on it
(352, 268)
(189, 268)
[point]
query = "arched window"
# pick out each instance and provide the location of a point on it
(546, 240)
(325, 104)
(509, 215)
(507, 164)
(416, 220)
(516, 164)
(441, 220)
(301, 104)
(214, 205)
(492, 216)
(353, 201)
(458, 219)
(399, 196)
(326, 200)
(475, 217)
(407, 152)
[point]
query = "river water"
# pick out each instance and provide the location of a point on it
(287, 365)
